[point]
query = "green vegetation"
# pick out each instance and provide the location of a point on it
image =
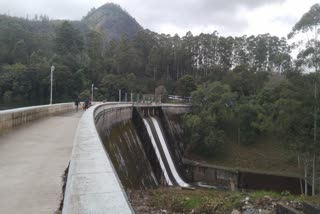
(109, 49)
(266, 155)
(255, 103)
(248, 87)
(213, 201)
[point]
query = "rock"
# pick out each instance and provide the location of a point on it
(251, 211)
(235, 212)
(264, 212)
(247, 207)
(268, 197)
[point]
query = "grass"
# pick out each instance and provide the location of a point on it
(315, 200)
(176, 200)
(266, 155)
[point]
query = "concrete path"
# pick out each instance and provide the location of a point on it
(32, 162)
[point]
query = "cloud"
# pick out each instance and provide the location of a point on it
(190, 14)
(57, 9)
(229, 17)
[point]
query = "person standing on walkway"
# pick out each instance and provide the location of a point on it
(86, 104)
(77, 103)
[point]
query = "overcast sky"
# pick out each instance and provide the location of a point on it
(228, 17)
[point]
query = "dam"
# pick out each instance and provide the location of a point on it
(116, 147)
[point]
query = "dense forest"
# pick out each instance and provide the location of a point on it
(268, 94)
(250, 82)
(134, 62)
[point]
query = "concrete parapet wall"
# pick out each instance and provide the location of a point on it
(241, 179)
(176, 109)
(283, 209)
(93, 185)
(211, 175)
(310, 209)
(15, 117)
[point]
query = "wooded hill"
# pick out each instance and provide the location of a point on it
(110, 49)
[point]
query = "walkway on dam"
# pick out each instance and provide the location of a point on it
(33, 159)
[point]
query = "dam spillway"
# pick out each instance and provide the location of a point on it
(139, 150)
(127, 154)
(166, 138)
(169, 168)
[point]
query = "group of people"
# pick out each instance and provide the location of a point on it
(85, 104)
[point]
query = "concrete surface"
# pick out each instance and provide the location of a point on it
(93, 185)
(11, 118)
(33, 158)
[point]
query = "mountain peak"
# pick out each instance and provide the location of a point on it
(111, 20)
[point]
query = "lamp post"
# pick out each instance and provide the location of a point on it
(51, 79)
(92, 89)
(92, 92)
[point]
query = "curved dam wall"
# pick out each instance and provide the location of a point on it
(111, 150)
(93, 185)
(9, 119)
(128, 144)
(125, 148)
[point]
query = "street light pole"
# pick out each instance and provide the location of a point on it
(51, 79)
(92, 93)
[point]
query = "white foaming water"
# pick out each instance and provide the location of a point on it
(167, 154)
(157, 152)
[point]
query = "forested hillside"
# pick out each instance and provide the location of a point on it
(257, 92)
(84, 53)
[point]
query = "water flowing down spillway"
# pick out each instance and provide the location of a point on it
(168, 180)
(160, 146)
(167, 154)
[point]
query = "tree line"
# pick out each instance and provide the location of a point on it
(136, 63)
(250, 82)
(254, 103)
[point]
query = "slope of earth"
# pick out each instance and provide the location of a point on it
(267, 155)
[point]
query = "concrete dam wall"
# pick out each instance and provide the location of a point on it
(130, 147)
(129, 158)
(146, 148)
(114, 150)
